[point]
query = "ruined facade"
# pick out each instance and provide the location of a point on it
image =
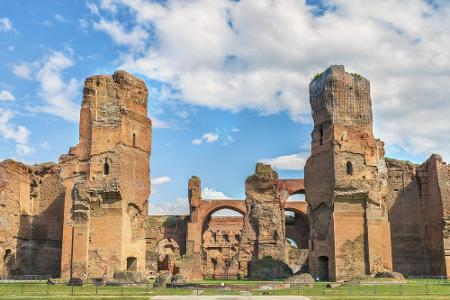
(369, 213)
(107, 180)
(87, 216)
(224, 247)
(31, 218)
(346, 180)
(419, 209)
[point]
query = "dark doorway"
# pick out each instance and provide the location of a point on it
(131, 264)
(323, 268)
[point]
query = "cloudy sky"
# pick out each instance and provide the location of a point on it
(228, 79)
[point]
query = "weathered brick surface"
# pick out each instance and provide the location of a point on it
(107, 180)
(31, 206)
(346, 180)
(88, 215)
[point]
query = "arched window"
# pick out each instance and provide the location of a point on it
(106, 167)
(134, 139)
(349, 168)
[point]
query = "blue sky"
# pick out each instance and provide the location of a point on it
(228, 80)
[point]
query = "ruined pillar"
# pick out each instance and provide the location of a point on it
(263, 234)
(345, 180)
(107, 180)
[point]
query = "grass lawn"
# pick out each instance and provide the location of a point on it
(417, 289)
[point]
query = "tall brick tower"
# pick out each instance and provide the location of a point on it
(107, 180)
(346, 180)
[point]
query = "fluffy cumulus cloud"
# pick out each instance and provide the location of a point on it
(6, 96)
(6, 25)
(16, 133)
(261, 54)
(209, 137)
(178, 207)
(211, 193)
(57, 93)
(161, 180)
(294, 162)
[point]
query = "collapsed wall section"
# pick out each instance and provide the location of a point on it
(406, 217)
(31, 217)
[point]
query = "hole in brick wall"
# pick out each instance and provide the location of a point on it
(134, 139)
(106, 167)
(131, 264)
(321, 135)
(349, 168)
(7, 255)
(323, 268)
(226, 237)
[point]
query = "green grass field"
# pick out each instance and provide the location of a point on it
(413, 289)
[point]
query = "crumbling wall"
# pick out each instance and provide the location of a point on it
(263, 234)
(405, 214)
(31, 218)
(221, 241)
(107, 180)
(165, 230)
(13, 183)
(345, 180)
(435, 192)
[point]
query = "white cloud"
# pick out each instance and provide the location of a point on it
(83, 23)
(11, 48)
(6, 96)
(261, 54)
(178, 207)
(211, 193)
(24, 70)
(92, 8)
(24, 149)
(287, 162)
(108, 5)
(209, 137)
(6, 25)
(58, 94)
(45, 145)
(134, 38)
(197, 141)
(161, 180)
(226, 213)
(59, 18)
(17, 133)
(157, 123)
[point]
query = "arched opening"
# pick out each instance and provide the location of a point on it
(134, 139)
(7, 255)
(297, 239)
(131, 264)
(221, 234)
(323, 268)
(321, 135)
(349, 168)
(106, 167)
(168, 252)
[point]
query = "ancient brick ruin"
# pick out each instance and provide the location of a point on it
(87, 216)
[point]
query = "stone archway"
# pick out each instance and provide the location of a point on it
(221, 235)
